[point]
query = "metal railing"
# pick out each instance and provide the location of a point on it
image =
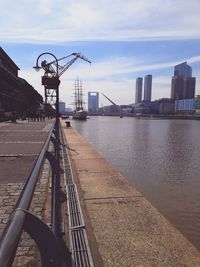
(46, 238)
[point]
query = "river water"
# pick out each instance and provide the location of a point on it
(160, 158)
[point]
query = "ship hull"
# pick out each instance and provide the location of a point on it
(80, 116)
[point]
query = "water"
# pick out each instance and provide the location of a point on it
(160, 158)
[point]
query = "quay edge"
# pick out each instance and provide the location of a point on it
(123, 228)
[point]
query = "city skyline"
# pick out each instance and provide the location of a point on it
(123, 44)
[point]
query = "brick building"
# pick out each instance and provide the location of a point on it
(16, 94)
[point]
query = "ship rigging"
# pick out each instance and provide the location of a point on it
(79, 112)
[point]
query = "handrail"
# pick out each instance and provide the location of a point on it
(20, 216)
(28, 190)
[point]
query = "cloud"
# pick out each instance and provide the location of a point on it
(42, 21)
(114, 76)
(193, 59)
(122, 67)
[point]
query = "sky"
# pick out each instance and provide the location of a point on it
(124, 39)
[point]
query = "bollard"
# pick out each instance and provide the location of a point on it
(68, 124)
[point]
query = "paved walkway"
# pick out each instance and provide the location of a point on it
(123, 228)
(20, 144)
(27, 253)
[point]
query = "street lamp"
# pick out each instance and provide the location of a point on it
(37, 67)
(51, 81)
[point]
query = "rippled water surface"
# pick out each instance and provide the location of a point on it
(160, 158)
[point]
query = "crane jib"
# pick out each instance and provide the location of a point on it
(48, 68)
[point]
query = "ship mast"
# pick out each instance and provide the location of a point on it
(78, 93)
(79, 113)
(81, 96)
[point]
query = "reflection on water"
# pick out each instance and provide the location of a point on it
(159, 157)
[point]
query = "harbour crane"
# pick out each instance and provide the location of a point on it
(49, 70)
(52, 72)
(117, 107)
(110, 100)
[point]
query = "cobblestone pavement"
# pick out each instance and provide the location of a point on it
(20, 144)
(27, 253)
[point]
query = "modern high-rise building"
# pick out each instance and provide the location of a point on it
(189, 88)
(93, 102)
(177, 87)
(138, 90)
(183, 69)
(147, 87)
(183, 84)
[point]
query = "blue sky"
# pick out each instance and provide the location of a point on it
(124, 39)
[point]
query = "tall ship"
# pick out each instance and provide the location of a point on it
(79, 113)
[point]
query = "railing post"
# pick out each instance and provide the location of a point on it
(54, 160)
